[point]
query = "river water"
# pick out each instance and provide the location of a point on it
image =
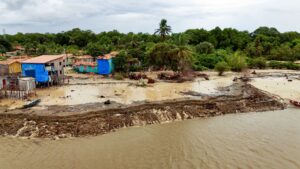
(251, 140)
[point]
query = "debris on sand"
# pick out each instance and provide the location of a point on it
(203, 75)
(242, 79)
(107, 102)
(151, 81)
(137, 76)
(168, 76)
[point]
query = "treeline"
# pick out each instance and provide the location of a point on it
(195, 48)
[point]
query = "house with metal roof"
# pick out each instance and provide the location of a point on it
(46, 69)
(10, 70)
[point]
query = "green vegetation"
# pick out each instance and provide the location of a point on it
(257, 63)
(284, 65)
(237, 62)
(221, 67)
(196, 49)
(118, 76)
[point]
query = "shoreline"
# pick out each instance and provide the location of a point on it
(94, 119)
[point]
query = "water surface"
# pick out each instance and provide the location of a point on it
(252, 140)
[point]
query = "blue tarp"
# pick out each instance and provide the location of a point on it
(36, 71)
(105, 67)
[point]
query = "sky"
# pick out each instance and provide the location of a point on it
(144, 15)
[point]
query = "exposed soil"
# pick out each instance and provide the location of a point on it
(97, 118)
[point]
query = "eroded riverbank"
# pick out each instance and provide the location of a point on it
(96, 119)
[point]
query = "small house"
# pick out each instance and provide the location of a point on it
(10, 70)
(86, 67)
(105, 65)
(46, 69)
(10, 67)
(27, 84)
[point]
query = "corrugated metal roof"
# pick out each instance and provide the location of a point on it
(10, 61)
(84, 57)
(43, 59)
(85, 63)
(106, 57)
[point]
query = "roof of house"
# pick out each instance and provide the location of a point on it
(85, 63)
(298, 62)
(12, 60)
(106, 57)
(43, 59)
(84, 57)
(7, 62)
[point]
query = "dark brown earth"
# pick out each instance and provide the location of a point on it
(95, 119)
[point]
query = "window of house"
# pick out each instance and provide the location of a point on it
(59, 63)
(60, 72)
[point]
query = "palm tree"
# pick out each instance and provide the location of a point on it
(184, 57)
(163, 29)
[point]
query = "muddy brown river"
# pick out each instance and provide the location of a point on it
(253, 140)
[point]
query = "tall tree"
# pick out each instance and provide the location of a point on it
(164, 29)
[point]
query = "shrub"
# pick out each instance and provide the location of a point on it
(118, 76)
(259, 63)
(283, 65)
(198, 67)
(221, 67)
(209, 61)
(135, 68)
(237, 62)
(205, 48)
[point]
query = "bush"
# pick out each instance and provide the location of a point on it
(209, 61)
(198, 67)
(221, 67)
(237, 62)
(118, 76)
(283, 65)
(259, 63)
(135, 68)
(205, 48)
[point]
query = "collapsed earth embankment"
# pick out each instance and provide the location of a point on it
(246, 98)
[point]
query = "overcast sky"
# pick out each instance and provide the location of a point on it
(144, 15)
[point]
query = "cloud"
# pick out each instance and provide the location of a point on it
(143, 16)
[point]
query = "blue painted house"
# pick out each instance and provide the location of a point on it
(105, 65)
(45, 68)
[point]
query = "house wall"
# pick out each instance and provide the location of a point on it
(105, 67)
(86, 69)
(27, 84)
(36, 71)
(58, 65)
(4, 70)
(15, 68)
(1, 81)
